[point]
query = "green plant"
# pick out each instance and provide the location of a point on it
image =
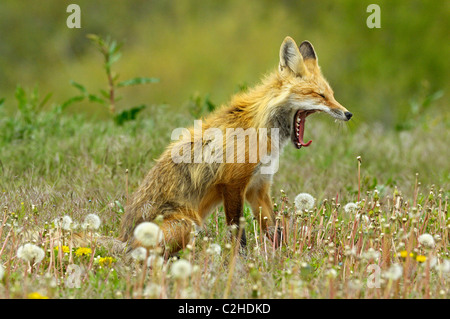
(29, 116)
(418, 108)
(198, 106)
(110, 49)
(29, 105)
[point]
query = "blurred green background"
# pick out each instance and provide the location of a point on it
(215, 47)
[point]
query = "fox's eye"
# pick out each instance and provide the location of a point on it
(322, 95)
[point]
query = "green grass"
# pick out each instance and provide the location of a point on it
(61, 164)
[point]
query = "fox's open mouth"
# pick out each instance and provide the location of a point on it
(299, 128)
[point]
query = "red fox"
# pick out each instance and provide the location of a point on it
(185, 191)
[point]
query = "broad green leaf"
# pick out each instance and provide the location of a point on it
(128, 115)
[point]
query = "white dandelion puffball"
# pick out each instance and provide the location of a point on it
(426, 240)
(91, 222)
(304, 201)
(350, 208)
(371, 254)
(148, 234)
(363, 218)
(152, 290)
(444, 267)
(155, 261)
(214, 249)
(394, 272)
(65, 223)
(2, 272)
(139, 253)
(30, 253)
(331, 273)
(181, 269)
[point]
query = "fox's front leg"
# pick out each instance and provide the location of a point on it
(233, 203)
(258, 197)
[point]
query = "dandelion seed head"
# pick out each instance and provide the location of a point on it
(426, 240)
(30, 253)
(371, 254)
(214, 249)
(350, 208)
(139, 253)
(155, 261)
(152, 290)
(148, 234)
(394, 272)
(91, 222)
(181, 269)
(64, 222)
(304, 201)
(443, 267)
(331, 273)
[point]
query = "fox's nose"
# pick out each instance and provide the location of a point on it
(348, 115)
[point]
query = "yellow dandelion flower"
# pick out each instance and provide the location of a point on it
(36, 295)
(403, 254)
(65, 249)
(83, 251)
(106, 261)
(421, 258)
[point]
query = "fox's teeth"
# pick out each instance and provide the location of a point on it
(298, 120)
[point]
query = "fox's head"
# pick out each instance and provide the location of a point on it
(306, 89)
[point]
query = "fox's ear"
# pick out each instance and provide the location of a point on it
(291, 58)
(309, 56)
(307, 50)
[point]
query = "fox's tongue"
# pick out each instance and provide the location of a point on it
(302, 130)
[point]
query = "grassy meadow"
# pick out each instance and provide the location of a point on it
(378, 226)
